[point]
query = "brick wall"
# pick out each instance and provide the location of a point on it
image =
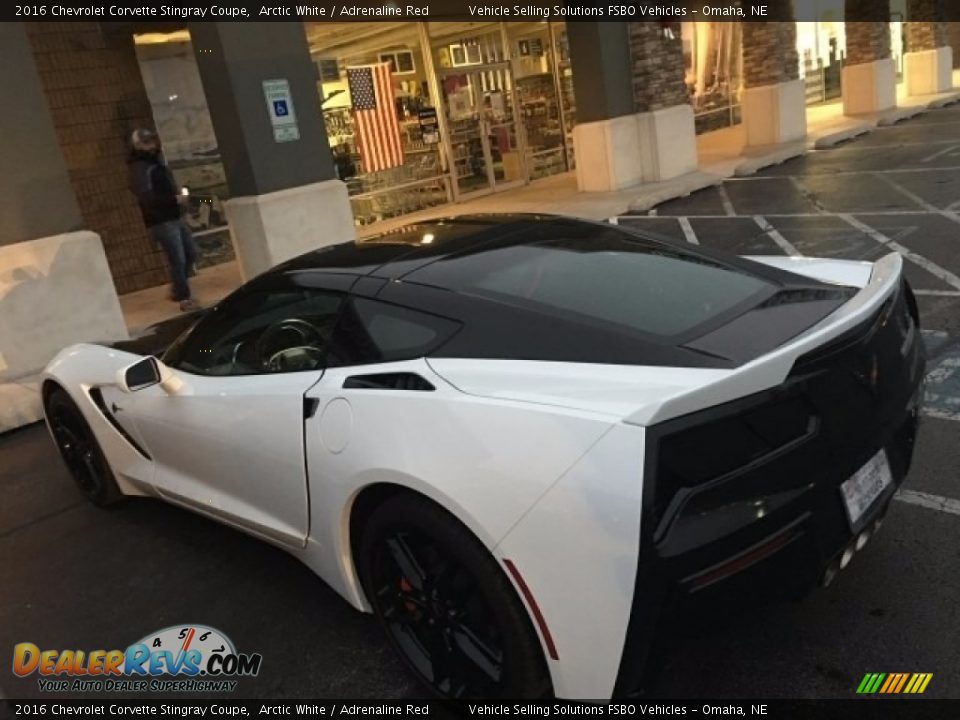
(926, 35)
(656, 54)
(769, 53)
(96, 97)
(953, 37)
(867, 41)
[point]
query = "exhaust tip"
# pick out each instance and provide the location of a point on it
(846, 557)
(829, 574)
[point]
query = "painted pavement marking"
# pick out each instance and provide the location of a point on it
(932, 209)
(775, 235)
(942, 399)
(933, 502)
(725, 200)
(688, 232)
(931, 267)
(945, 151)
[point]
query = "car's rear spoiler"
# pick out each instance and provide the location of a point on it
(773, 368)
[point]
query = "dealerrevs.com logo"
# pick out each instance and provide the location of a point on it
(181, 658)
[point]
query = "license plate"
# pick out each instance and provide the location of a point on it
(865, 486)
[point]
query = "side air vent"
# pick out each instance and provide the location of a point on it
(97, 396)
(388, 381)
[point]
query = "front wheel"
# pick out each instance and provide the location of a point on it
(447, 607)
(80, 451)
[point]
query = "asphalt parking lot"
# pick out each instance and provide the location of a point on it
(74, 576)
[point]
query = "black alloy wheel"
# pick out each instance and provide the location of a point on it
(447, 607)
(80, 451)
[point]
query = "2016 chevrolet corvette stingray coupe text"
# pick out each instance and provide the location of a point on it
(518, 439)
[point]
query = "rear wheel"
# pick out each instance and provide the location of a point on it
(447, 607)
(80, 451)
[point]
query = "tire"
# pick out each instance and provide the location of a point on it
(80, 451)
(447, 607)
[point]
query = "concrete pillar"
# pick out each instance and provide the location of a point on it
(55, 285)
(668, 138)
(773, 102)
(629, 130)
(869, 76)
(928, 61)
(286, 199)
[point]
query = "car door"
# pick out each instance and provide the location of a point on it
(226, 430)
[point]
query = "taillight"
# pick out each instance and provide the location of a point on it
(735, 441)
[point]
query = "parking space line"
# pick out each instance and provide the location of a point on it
(945, 151)
(846, 173)
(787, 215)
(932, 209)
(931, 267)
(933, 502)
(937, 293)
(774, 235)
(725, 200)
(688, 232)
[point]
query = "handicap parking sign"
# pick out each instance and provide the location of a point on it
(283, 116)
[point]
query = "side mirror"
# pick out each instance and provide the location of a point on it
(142, 374)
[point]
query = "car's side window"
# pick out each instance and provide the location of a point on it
(262, 331)
(373, 332)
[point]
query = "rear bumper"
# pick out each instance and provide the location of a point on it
(788, 552)
(776, 524)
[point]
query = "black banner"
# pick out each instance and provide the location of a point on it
(416, 10)
(874, 707)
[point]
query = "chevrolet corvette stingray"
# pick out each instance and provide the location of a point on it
(518, 440)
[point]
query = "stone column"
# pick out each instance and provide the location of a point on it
(628, 80)
(286, 199)
(55, 285)
(928, 60)
(774, 100)
(869, 78)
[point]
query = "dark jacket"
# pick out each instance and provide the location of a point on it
(153, 184)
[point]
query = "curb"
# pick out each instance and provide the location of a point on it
(676, 188)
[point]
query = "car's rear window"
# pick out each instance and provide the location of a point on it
(609, 276)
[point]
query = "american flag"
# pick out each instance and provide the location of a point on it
(375, 123)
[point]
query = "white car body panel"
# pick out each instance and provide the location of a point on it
(842, 272)
(584, 534)
(542, 461)
(471, 455)
(231, 447)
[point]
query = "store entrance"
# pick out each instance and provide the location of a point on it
(483, 142)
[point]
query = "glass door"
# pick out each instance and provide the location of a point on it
(482, 125)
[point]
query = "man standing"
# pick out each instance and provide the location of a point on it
(161, 205)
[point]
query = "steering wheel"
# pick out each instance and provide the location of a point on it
(269, 353)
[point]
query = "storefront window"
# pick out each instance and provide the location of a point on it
(713, 59)
(821, 47)
(477, 95)
(172, 83)
(534, 63)
(383, 180)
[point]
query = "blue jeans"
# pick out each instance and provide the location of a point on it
(177, 242)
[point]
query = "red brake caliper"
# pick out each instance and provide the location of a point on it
(406, 587)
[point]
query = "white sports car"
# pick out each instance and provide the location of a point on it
(518, 440)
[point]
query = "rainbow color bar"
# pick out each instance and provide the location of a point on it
(894, 683)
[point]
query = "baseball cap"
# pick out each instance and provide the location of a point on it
(142, 135)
